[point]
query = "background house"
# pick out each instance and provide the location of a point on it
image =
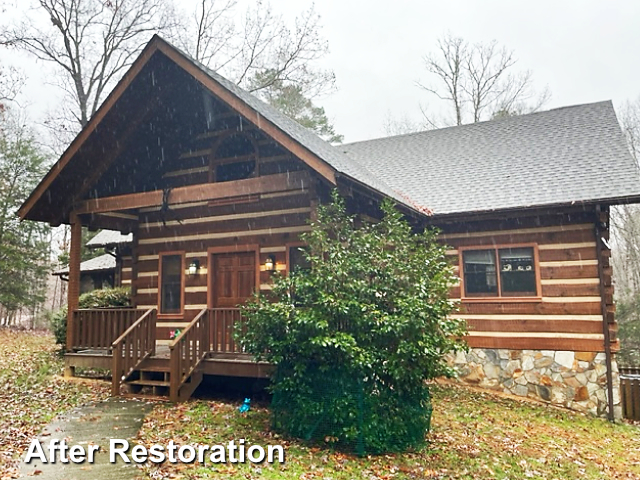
(95, 273)
(112, 269)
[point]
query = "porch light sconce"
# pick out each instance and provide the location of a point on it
(270, 263)
(194, 266)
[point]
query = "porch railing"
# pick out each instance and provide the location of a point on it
(187, 351)
(99, 328)
(224, 324)
(137, 343)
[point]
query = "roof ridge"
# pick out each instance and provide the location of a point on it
(368, 178)
(483, 122)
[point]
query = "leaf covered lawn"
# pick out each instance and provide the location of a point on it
(32, 392)
(474, 435)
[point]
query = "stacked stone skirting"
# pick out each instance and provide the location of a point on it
(576, 380)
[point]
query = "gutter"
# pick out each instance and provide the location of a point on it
(622, 200)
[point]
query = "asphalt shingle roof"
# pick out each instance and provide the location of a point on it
(103, 262)
(307, 138)
(109, 238)
(560, 156)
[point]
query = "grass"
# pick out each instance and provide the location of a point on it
(32, 391)
(474, 435)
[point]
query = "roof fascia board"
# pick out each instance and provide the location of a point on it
(89, 128)
(237, 104)
(530, 210)
(157, 44)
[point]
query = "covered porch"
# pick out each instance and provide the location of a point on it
(124, 340)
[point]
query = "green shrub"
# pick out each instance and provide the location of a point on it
(104, 298)
(356, 337)
(58, 324)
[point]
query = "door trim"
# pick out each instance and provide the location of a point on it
(230, 249)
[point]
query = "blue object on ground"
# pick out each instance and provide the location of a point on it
(244, 408)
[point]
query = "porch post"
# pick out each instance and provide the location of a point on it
(73, 291)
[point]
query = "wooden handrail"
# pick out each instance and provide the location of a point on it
(187, 351)
(97, 328)
(628, 370)
(128, 331)
(136, 344)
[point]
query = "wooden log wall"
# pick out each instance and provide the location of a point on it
(567, 315)
(270, 221)
(125, 273)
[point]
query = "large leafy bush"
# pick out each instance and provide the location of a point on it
(106, 297)
(356, 336)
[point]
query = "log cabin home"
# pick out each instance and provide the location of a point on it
(208, 189)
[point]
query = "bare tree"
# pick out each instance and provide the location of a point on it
(448, 67)
(401, 125)
(208, 33)
(91, 42)
(257, 50)
(478, 82)
(625, 254)
(11, 81)
(626, 218)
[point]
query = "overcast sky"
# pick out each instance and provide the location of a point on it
(584, 51)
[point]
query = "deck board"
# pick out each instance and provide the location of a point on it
(223, 364)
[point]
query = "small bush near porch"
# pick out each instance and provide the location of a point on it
(356, 336)
(102, 298)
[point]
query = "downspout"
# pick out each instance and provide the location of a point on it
(601, 225)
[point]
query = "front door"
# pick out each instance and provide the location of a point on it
(233, 278)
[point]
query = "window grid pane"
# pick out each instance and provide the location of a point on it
(171, 284)
(517, 272)
(480, 279)
(298, 259)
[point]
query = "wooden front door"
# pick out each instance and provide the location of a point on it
(233, 278)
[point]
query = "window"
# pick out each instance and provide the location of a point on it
(235, 158)
(171, 273)
(297, 259)
(235, 171)
(500, 272)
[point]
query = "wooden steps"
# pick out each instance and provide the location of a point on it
(152, 380)
(149, 383)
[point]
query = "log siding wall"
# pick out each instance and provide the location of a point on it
(270, 221)
(568, 313)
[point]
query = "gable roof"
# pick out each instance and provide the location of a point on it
(562, 156)
(310, 148)
(333, 156)
(96, 264)
(109, 238)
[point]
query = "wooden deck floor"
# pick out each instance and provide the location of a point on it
(224, 364)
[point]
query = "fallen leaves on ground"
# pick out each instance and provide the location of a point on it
(32, 392)
(474, 435)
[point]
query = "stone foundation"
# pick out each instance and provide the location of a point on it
(576, 380)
